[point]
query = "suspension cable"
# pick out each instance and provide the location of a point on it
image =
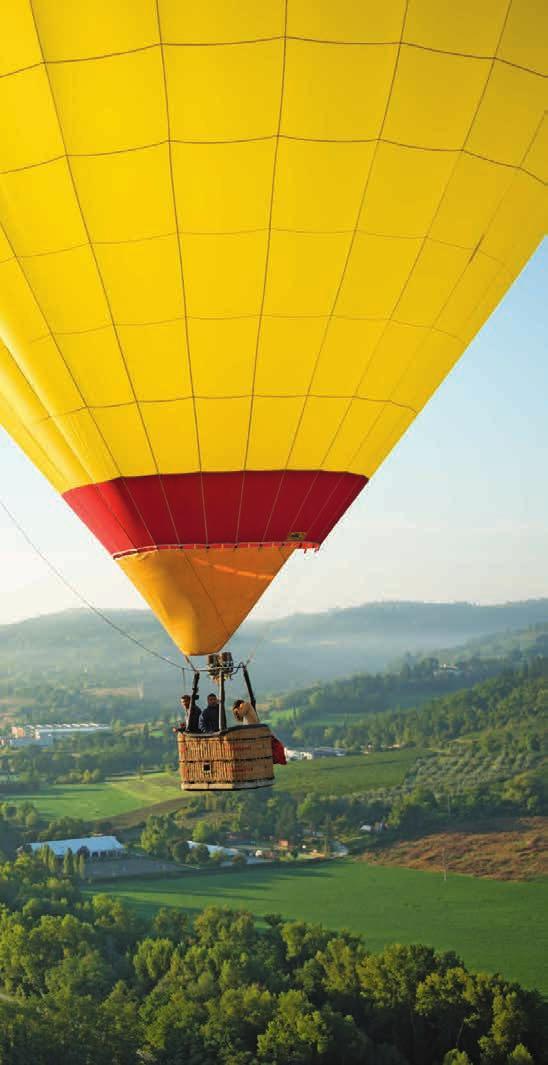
(113, 625)
(264, 636)
(90, 606)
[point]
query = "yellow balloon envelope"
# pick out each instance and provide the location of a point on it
(241, 244)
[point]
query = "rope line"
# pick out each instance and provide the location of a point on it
(112, 624)
(82, 598)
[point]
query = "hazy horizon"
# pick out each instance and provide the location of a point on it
(144, 609)
(457, 513)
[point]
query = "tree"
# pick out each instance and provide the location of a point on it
(520, 1056)
(84, 974)
(68, 863)
(171, 924)
(201, 853)
(508, 1025)
(180, 850)
(119, 1018)
(152, 959)
(204, 832)
(300, 1033)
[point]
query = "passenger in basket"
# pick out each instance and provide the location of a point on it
(185, 707)
(190, 719)
(245, 713)
(209, 717)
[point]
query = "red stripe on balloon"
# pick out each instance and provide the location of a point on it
(270, 506)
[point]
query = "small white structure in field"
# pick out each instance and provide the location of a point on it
(97, 846)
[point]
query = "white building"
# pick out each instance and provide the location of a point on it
(98, 846)
(27, 741)
(62, 731)
(45, 735)
(213, 848)
(294, 755)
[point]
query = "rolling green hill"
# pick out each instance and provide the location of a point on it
(297, 650)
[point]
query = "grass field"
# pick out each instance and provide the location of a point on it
(492, 925)
(111, 798)
(94, 802)
(354, 772)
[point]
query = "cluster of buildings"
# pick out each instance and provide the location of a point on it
(46, 735)
(294, 755)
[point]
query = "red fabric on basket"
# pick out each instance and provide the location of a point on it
(278, 752)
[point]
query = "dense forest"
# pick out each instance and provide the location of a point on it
(86, 981)
(358, 704)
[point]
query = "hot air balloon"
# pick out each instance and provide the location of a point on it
(241, 244)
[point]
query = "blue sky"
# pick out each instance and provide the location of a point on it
(458, 511)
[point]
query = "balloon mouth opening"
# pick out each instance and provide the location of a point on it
(292, 542)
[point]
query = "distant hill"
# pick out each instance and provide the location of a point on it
(298, 650)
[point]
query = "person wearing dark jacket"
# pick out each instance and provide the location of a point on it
(209, 717)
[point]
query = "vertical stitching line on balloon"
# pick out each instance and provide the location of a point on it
(101, 282)
(27, 428)
(442, 198)
(267, 264)
(185, 555)
(341, 282)
(181, 269)
(327, 501)
(348, 499)
(474, 250)
(54, 418)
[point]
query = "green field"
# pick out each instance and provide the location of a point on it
(93, 802)
(330, 776)
(354, 772)
(493, 925)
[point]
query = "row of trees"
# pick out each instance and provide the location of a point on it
(364, 693)
(88, 982)
(89, 759)
(405, 811)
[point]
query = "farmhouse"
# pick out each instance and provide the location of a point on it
(97, 847)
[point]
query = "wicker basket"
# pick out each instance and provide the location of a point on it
(236, 758)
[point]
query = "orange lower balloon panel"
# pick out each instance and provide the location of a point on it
(202, 595)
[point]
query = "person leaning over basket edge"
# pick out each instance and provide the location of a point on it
(245, 713)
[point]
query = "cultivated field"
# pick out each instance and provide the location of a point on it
(103, 801)
(492, 925)
(353, 773)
